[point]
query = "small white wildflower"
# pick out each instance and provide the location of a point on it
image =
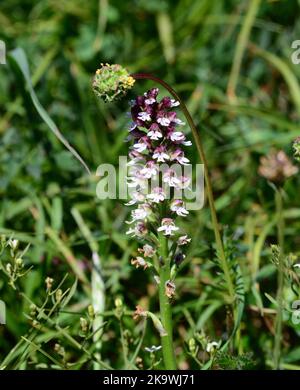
(153, 348)
(140, 146)
(154, 134)
(179, 156)
(170, 289)
(174, 103)
(177, 206)
(139, 262)
(179, 122)
(139, 230)
(137, 182)
(212, 346)
(183, 160)
(147, 250)
(13, 243)
(183, 183)
(170, 178)
(132, 126)
(142, 212)
(177, 136)
(167, 227)
(150, 169)
(144, 116)
(164, 121)
(160, 154)
(150, 100)
(183, 240)
(157, 195)
(136, 197)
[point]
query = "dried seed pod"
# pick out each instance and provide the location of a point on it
(276, 166)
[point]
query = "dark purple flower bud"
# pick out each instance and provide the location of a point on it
(152, 93)
(135, 134)
(135, 110)
(140, 101)
(179, 257)
(134, 154)
(165, 103)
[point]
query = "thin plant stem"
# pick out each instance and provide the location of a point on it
(280, 279)
(200, 149)
(165, 307)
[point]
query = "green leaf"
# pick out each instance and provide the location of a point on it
(271, 299)
(286, 72)
(19, 60)
(72, 291)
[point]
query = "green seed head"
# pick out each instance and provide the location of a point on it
(192, 345)
(19, 263)
(91, 311)
(111, 82)
(296, 148)
(83, 324)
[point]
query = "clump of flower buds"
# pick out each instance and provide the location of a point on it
(296, 148)
(112, 82)
(49, 283)
(14, 268)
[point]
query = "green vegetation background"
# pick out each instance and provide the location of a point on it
(47, 198)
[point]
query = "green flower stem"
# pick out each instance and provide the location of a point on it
(219, 244)
(165, 307)
(280, 280)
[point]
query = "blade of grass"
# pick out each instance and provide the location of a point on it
(241, 45)
(98, 287)
(288, 75)
(72, 261)
(19, 60)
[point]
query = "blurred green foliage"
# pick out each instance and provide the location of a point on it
(193, 46)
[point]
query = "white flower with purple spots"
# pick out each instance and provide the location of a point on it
(150, 170)
(136, 197)
(183, 240)
(147, 250)
(177, 136)
(177, 206)
(157, 195)
(139, 230)
(164, 121)
(150, 100)
(170, 178)
(168, 227)
(174, 103)
(179, 122)
(183, 183)
(144, 116)
(142, 145)
(156, 151)
(160, 154)
(178, 155)
(137, 181)
(141, 213)
(155, 134)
